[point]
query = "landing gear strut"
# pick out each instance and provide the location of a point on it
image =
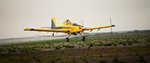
(83, 38)
(53, 34)
(67, 38)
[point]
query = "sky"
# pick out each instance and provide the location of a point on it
(15, 15)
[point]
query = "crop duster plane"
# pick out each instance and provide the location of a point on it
(68, 28)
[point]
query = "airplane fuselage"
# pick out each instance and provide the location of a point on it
(72, 29)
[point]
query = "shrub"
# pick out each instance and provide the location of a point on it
(99, 44)
(68, 46)
(124, 44)
(108, 44)
(90, 45)
(129, 43)
(57, 47)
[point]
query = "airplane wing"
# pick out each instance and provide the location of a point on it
(100, 27)
(47, 30)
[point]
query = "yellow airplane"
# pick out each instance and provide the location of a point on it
(68, 28)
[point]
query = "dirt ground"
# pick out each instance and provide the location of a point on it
(134, 54)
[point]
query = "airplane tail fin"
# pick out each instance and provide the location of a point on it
(53, 23)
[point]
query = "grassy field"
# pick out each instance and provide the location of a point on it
(123, 47)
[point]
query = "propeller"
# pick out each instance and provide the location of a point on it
(111, 25)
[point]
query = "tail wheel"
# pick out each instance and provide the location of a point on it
(67, 39)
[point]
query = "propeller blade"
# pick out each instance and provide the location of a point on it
(111, 25)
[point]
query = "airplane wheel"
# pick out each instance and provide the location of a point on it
(83, 38)
(67, 39)
(53, 34)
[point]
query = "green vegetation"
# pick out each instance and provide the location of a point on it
(97, 40)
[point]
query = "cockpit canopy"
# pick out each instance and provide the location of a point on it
(69, 22)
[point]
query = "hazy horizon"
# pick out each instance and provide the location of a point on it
(15, 15)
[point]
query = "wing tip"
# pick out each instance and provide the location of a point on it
(28, 29)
